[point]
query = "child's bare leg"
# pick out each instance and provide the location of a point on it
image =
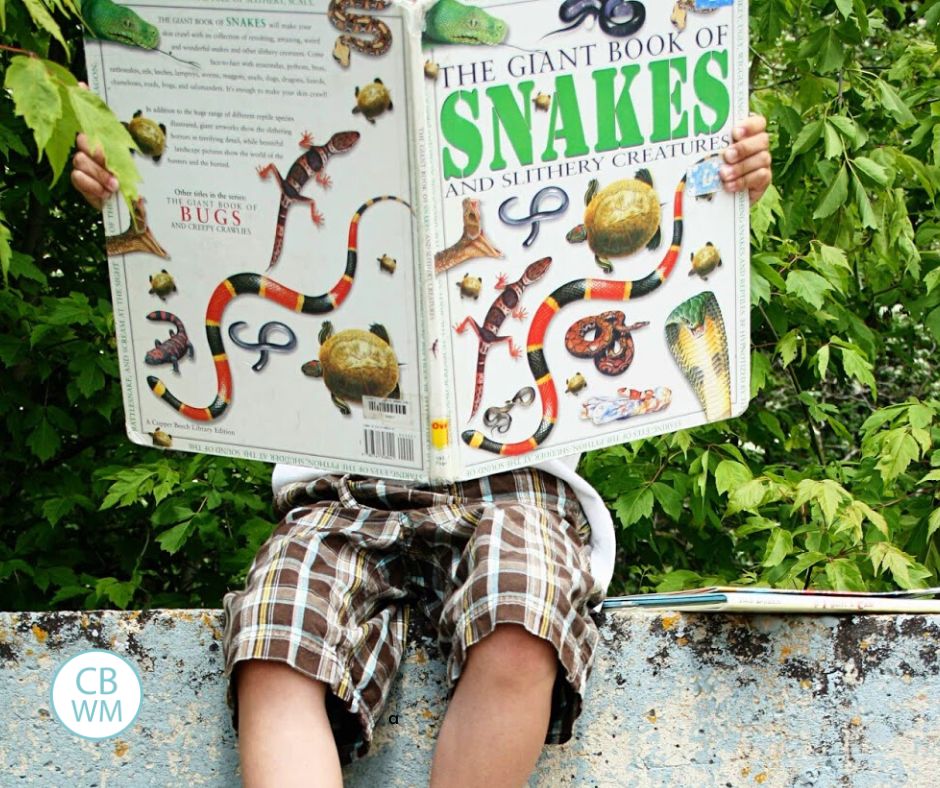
(284, 736)
(497, 720)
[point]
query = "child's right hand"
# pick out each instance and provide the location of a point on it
(90, 175)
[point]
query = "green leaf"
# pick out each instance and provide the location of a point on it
(834, 257)
(845, 8)
(920, 416)
(893, 102)
(874, 171)
(634, 506)
(44, 19)
(678, 580)
(835, 195)
(933, 522)
(897, 452)
(44, 441)
(729, 474)
(119, 593)
(833, 142)
(809, 135)
(668, 498)
(907, 573)
(811, 287)
(748, 496)
(788, 345)
(104, 130)
(779, 546)
(844, 575)
(54, 509)
(6, 253)
(822, 361)
(858, 367)
(35, 96)
(174, 538)
(866, 212)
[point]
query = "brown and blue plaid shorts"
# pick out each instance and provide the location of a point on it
(330, 591)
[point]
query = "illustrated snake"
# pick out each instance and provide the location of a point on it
(695, 333)
(611, 348)
(256, 284)
(570, 292)
(606, 12)
(341, 19)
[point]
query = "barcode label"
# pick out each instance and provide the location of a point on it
(373, 406)
(388, 445)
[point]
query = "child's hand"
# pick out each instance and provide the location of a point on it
(747, 161)
(90, 175)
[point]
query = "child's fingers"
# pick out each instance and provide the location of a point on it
(755, 182)
(760, 160)
(83, 163)
(749, 146)
(84, 147)
(90, 189)
(751, 125)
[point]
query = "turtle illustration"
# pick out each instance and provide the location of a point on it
(160, 438)
(542, 101)
(355, 364)
(372, 100)
(387, 263)
(575, 383)
(431, 69)
(149, 135)
(682, 8)
(470, 286)
(619, 219)
(705, 260)
(162, 284)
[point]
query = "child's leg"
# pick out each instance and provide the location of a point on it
(496, 722)
(284, 734)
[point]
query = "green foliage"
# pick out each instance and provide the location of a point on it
(90, 520)
(829, 480)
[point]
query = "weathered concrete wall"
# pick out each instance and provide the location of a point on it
(678, 700)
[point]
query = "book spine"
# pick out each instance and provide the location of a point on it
(436, 365)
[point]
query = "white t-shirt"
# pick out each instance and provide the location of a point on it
(602, 544)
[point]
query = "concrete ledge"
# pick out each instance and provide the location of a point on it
(674, 699)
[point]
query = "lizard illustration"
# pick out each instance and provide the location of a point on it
(309, 163)
(450, 22)
(507, 303)
(172, 350)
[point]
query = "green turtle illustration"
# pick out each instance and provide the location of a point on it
(372, 100)
(620, 218)
(355, 364)
(149, 135)
(705, 260)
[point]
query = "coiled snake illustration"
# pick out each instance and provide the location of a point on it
(265, 287)
(611, 347)
(576, 290)
(341, 18)
(631, 15)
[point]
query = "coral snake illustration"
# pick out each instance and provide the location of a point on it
(265, 287)
(570, 292)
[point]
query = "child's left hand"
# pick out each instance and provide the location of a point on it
(747, 161)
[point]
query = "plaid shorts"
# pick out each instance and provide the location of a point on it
(330, 592)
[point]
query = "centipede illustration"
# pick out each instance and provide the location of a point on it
(257, 284)
(568, 293)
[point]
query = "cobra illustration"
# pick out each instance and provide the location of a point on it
(571, 292)
(265, 287)
(695, 334)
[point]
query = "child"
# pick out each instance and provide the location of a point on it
(507, 568)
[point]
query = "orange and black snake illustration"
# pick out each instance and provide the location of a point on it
(260, 285)
(570, 292)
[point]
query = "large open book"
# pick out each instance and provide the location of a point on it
(425, 240)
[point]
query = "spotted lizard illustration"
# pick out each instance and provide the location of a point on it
(308, 164)
(507, 303)
(172, 350)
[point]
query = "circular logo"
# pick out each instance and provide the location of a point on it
(96, 694)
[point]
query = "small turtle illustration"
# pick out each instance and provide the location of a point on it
(705, 260)
(160, 438)
(355, 364)
(387, 263)
(470, 286)
(431, 69)
(162, 284)
(681, 10)
(149, 135)
(542, 101)
(575, 383)
(619, 219)
(372, 100)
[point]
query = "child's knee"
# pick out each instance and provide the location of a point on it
(512, 655)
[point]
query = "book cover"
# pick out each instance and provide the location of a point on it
(426, 239)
